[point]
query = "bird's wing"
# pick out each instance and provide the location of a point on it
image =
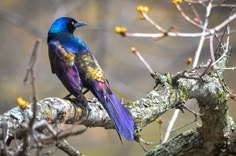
(51, 58)
(89, 68)
(62, 64)
(58, 53)
(94, 79)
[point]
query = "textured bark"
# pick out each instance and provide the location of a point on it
(216, 136)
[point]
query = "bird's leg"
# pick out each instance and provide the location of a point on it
(83, 103)
(86, 91)
(67, 96)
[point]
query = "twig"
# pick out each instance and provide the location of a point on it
(30, 73)
(153, 23)
(187, 17)
(53, 135)
(220, 45)
(67, 148)
(148, 142)
(170, 125)
(196, 1)
(225, 22)
(211, 45)
(200, 45)
(226, 68)
(160, 123)
(170, 34)
(30, 70)
(187, 124)
(183, 106)
(65, 134)
(224, 5)
(142, 59)
(195, 12)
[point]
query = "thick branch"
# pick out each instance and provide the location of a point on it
(183, 144)
(165, 96)
(170, 91)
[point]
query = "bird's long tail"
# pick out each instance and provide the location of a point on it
(119, 115)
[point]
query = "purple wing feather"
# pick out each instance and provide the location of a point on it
(68, 74)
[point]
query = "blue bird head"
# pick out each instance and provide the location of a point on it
(65, 25)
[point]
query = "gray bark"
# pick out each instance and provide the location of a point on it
(216, 136)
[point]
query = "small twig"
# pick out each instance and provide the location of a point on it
(226, 68)
(227, 29)
(65, 134)
(211, 45)
(142, 59)
(153, 23)
(43, 124)
(187, 18)
(195, 1)
(148, 142)
(30, 73)
(141, 142)
(67, 148)
(225, 22)
(160, 123)
(170, 125)
(55, 135)
(205, 33)
(170, 34)
(220, 45)
(195, 13)
(201, 42)
(30, 70)
(187, 124)
(208, 66)
(224, 5)
(183, 106)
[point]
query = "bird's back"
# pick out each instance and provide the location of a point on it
(70, 42)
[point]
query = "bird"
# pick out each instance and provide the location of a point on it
(74, 64)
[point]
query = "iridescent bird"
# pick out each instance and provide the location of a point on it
(76, 67)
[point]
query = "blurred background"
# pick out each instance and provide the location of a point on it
(24, 21)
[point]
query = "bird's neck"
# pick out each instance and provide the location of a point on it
(66, 34)
(58, 36)
(68, 40)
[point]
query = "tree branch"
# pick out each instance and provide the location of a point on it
(170, 91)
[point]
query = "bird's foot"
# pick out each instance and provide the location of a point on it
(82, 110)
(82, 103)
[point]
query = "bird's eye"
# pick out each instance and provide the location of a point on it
(71, 26)
(73, 23)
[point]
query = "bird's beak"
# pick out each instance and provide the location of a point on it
(80, 24)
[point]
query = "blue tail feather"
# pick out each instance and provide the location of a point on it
(119, 115)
